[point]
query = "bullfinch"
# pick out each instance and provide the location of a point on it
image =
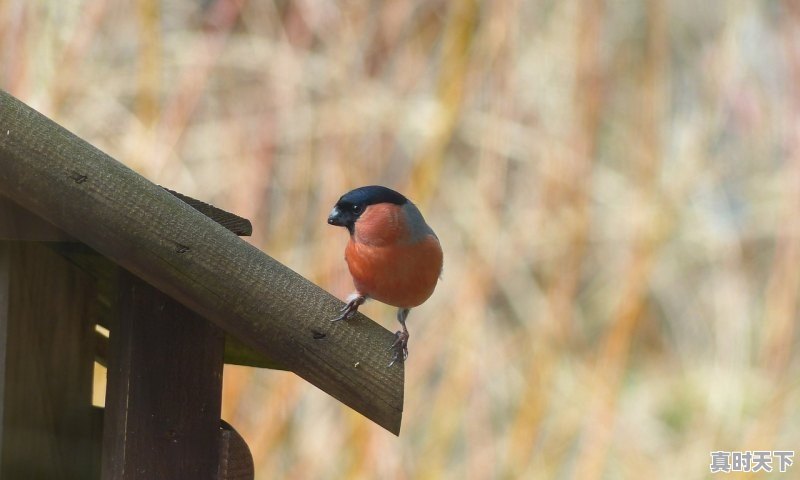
(393, 255)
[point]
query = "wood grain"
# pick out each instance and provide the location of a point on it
(105, 272)
(45, 365)
(16, 223)
(164, 241)
(164, 394)
(235, 459)
(236, 224)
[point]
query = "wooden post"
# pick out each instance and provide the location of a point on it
(46, 352)
(164, 389)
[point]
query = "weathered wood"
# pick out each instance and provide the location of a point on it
(45, 364)
(161, 239)
(97, 440)
(236, 353)
(104, 271)
(235, 461)
(236, 224)
(164, 392)
(16, 223)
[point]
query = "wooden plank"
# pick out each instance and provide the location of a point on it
(164, 392)
(46, 362)
(16, 223)
(161, 239)
(105, 271)
(235, 460)
(5, 310)
(236, 224)
(236, 353)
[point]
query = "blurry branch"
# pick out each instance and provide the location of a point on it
(149, 71)
(75, 51)
(451, 84)
(13, 49)
(458, 37)
(783, 283)
(567, 194)
(606, 377)
(188, 90)
(781, 292)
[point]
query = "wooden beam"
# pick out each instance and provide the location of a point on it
(105, 272)
(161, 239)
(164, 392)
(45, 365)
(16, 223)
(236, 224)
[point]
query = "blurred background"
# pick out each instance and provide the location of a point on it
(616, 186)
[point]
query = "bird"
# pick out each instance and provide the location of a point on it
(393, 255)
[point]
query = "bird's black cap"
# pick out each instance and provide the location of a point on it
(353, 203)
(371, 195)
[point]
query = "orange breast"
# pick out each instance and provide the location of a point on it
(399, 274)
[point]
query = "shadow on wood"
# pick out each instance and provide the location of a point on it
(46, 331)
(164, 389)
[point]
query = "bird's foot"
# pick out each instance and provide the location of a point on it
(350, 308)
(400, 347)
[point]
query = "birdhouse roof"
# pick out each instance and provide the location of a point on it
(104, 215)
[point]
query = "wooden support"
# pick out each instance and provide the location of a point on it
(46, 356)
(235, 460)
(143, 228)
(164, 389)
(16, 223)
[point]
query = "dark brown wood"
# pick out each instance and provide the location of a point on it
(45, 365)
(97, 440)
(236, 353)
(164, 391)
(236, 224)
(16, 223)
(161, 239)
(235, 461)
(105, 271)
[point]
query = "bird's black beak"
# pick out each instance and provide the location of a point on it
(342, 219)
(337, 218)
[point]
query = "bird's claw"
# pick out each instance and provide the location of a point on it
(346, 314)
(343, 316)
(349, 309)
(400, 347)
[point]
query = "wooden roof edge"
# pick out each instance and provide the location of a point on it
(142, 227)
(236, 224)
(18, 224)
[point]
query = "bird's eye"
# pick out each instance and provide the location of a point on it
(356, 208)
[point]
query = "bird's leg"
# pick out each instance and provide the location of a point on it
(400, 345)
(351, 307)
